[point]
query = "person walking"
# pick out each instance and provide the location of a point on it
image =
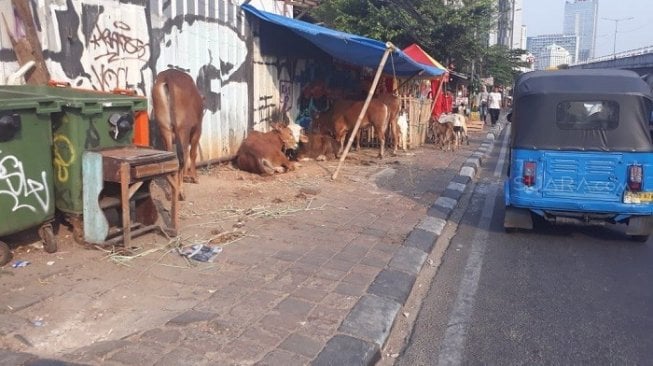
(483, 104)
(494, 105)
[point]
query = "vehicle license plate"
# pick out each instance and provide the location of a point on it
(638, 197)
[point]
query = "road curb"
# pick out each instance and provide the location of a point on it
(369, 323)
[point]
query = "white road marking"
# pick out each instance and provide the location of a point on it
(451, 350)
(502, 155)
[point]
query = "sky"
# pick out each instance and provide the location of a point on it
(546, 17)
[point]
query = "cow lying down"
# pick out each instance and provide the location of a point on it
(263, 153)
(318, 146)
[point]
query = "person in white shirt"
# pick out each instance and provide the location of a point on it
(494, 105)
(483, 103)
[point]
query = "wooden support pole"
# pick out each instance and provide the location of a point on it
(29, 48)
(389, 49)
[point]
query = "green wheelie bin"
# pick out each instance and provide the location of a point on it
(26, 171)
(88, 120)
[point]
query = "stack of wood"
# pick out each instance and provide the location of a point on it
(474, 123)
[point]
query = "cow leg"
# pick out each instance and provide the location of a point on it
(167, 137)
(394, 130)
(358, 139)
(285, 163)
(381, 135)
(267, 168)
(194, 144)
(340, 137)
(183, 141)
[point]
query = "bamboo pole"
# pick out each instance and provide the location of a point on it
(389, 49)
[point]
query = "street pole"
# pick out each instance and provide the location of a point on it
(616, 27)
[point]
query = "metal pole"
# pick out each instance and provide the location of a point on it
(389, 49)
(616, 27)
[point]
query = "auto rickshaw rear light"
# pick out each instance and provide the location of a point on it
(635, 174)
(529, 173)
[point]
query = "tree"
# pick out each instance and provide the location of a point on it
(455, 35)
(502, 63)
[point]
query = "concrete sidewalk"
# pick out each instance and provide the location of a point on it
(320, 288)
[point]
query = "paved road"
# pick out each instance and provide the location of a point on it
(558, 295)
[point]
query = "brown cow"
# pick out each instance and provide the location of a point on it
(178, 109)
(341, 119)
(394, 106)
(263, 153)
(318, 146)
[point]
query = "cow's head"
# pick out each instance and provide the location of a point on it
(285, 135)
(298, 132)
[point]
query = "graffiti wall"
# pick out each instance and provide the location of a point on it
(107, 44)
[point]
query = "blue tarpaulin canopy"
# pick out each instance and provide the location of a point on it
(350, 48)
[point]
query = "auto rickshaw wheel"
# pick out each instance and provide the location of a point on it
(639, 238)
(49, 239)
(5, 253)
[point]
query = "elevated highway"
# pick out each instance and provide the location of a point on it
(639, 60)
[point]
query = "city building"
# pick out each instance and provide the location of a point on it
(509, 32)
(551, 57)
(581, 18)
(537, 44)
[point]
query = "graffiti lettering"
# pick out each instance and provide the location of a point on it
(64, 155)
(117, 44)
(109, 78)
(15, 184)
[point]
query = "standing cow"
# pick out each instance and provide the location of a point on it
(341, 119)
(178, 108)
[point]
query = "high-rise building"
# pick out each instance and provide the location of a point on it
(537, 44)
(581, 18)
(509, 31)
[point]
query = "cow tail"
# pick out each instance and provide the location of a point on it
(173, 123)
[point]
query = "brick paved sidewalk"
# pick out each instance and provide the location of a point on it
(322, 287)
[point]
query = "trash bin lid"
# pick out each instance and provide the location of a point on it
(89, 101)
(14, 99)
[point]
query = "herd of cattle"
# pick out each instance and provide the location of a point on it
(178, 110)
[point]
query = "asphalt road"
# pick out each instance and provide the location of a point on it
(559, 295)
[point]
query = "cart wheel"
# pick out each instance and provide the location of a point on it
(49, 240)
(5, 253)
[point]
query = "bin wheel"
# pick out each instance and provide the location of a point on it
(5, 253)
(49, 239)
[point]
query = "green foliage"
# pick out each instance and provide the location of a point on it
(455, 35)
(502, 63)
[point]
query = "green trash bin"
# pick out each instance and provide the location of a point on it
(26, 172)
(88, 120)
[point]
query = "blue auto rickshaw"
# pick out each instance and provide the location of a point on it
(581, 150)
